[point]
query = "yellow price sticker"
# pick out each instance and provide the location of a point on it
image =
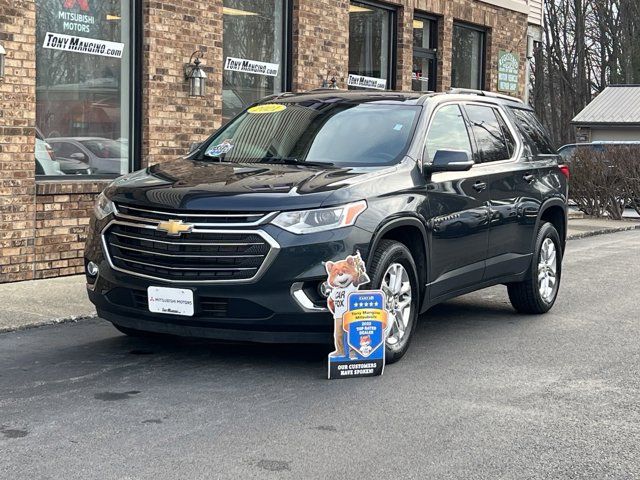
(267, 108)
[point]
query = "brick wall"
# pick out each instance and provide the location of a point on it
(17, 117)
(320, 41)
(172, 120)
(62, 219)
(43, 224)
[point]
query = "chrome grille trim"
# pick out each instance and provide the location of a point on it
(178, 242)
(274, 247)
(197, 269)
(261, 218)
(183, 256)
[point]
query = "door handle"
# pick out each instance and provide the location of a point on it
(479, 186)
(529, 177)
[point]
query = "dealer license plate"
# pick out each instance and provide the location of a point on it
(171, 301)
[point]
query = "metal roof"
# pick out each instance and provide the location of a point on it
(617, 104)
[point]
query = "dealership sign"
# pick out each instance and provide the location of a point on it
(508, 68)
(251, 66)
(367, 82)
(89, 46)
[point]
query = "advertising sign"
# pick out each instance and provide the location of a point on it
(367, 82)
(360, 321)
(251, 66)
(508, 68)
(90, 46)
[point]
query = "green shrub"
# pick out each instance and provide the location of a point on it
(606, 181)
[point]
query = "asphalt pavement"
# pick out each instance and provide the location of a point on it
(482, 393)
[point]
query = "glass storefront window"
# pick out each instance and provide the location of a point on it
(425, 43)
(468, 57)
(254, 52)
(83, 87)
(371, 30)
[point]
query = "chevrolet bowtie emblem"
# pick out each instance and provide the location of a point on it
(174, 228)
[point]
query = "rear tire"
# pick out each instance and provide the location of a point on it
(392, 264)
(537, 293)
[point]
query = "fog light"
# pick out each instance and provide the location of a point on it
(92, 269)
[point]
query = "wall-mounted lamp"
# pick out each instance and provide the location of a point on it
(196, 76)
(3, 53)
(332, 82)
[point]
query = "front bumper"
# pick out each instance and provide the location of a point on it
(265, 310)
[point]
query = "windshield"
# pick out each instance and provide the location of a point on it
(337, 133)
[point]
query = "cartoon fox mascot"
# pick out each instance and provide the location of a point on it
(365, 345)
(344, 277)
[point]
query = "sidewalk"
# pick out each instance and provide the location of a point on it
(56, 300)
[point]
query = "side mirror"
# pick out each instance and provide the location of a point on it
(194, 146)
(450, 161)
(78, 156)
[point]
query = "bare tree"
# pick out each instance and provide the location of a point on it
(587, 45)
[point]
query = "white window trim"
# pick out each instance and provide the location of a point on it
(521, 6)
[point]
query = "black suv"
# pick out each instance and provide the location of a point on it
(441, 194)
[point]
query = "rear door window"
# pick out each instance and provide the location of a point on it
(489, 134)
(448, 132)
(531, 126)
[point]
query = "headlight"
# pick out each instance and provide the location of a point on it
(310, 221)
(103, 207)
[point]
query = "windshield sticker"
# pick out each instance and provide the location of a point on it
(398, 127)
(267, 108)
(220, 149)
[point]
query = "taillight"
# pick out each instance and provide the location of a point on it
(565, 170)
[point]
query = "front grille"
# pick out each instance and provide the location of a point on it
(202, 255)
(196, 218)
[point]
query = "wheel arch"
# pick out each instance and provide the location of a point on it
(553, 211)
(412, 233)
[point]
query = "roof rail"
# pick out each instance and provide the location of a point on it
(325, 89)
(483, 93)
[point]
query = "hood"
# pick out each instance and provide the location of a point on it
(195, 185)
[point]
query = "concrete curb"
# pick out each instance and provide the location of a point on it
(52, 321)
(602, 231)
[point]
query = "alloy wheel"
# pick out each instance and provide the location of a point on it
(547, 270)
(397, 288)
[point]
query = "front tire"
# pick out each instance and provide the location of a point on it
(538, 292)
(393, 270)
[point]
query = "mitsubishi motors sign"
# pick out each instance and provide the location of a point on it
(76, 16)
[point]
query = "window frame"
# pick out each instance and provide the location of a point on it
(393, 39)
(286, 60)
(428, 53)
(507, 121)
(483, 51)
(134, 147)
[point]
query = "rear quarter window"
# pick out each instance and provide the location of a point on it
(532, 128)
